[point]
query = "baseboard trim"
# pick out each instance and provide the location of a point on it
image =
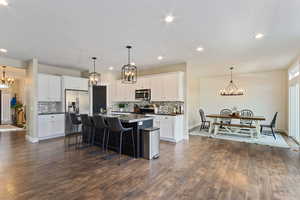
(194, 127)
(52, 136)
(32, 139)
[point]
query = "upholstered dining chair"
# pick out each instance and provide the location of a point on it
(271, 125)
(204, 123)
(246, 113)
(226, 112)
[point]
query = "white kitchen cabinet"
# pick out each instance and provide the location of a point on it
(75, 83)
(51, 126)
(173, 87)
(121, 92)
(49, 88)
(167, 87)
(143, 83)
(171, 127)
(157, 89)
(164, 87)
(55, 88)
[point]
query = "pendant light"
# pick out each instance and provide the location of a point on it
(94, 77)
(129, 71)
(6, 82)
(231, 89)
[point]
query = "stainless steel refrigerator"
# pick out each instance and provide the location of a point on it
(76, 101)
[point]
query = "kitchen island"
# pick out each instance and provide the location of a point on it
(135, 121)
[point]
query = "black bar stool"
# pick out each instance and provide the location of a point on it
(101, 129)
(74, 132)
(87, 129)
(115, 126)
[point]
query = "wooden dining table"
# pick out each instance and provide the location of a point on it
(217, 119)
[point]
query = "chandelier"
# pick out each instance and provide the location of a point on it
(231, 89)
(6, 82)
(129, 71)
(94, 77)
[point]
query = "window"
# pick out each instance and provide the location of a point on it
(294, 71)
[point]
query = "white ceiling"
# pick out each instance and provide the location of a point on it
(67, 33)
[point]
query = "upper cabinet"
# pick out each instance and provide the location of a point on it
(122, 92)
(167, 87)
(164, 87)
(49, 88)
(75, 83)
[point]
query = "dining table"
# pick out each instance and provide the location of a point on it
(216, 123)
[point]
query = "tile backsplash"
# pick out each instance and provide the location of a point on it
(49, 107)
(163, 106)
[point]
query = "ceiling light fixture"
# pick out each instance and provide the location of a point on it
(259, 36)
(129, 71)
(111, 68)
(231, 89)
(6, 82)
(160, 58)
(94, 77)
(3, 50)
(3, 3)
(169, 18)
(200, 49)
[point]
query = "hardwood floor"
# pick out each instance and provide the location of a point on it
(202, 168)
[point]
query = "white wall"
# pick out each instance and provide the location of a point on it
(265, 94)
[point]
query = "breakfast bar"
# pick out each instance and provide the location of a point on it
(135, 121)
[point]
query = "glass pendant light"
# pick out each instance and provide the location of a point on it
(129, 71)
(6, 82)
(231, 89)
(94, 77)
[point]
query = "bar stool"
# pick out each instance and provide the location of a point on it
(87, 129)
(75, 123)
(100, 128)
(115, 126)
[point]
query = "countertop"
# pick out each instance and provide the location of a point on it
(168, 114)
(132, 118)
(51, 113)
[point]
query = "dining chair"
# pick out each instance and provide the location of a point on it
(246, 113)
(101, 129)
(204, 123)
(271, 125)
(115, 126)
(226, 112)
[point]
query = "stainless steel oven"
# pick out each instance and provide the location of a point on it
(143, 94)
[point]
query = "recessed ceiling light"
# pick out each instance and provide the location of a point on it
(3, 50)
(199, 49)
(160, 58)
(169, 18)
(111, 68)
(3, 3)
(259, 35)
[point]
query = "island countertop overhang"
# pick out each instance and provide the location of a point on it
(131, 118)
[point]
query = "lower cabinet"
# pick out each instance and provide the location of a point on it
(171, 127)
(51, 126)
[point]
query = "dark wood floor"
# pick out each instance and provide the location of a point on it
(202, 168)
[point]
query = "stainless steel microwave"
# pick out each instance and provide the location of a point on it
(143, 94)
